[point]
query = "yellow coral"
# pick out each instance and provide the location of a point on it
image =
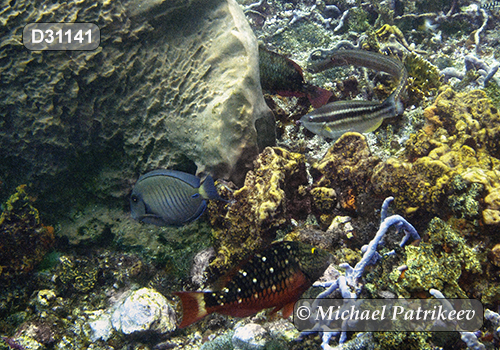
(260, 206)
(463, 141)
(438, 263)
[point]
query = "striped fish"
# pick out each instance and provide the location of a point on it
(492, 5)
(169, 197)
(336, 118)
(367, 59)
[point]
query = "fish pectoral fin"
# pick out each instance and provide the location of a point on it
(376, 125)
(152, 219)
(287, 310)
(208, 189)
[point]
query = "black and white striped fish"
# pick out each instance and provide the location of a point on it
(336, 118)
(170, 197)
(492, 5)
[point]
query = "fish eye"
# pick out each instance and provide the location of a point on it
(134, 198)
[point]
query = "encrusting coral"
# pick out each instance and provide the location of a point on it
(346, 168)
(460, 138)
(24, 241)
(437, 263)
(273, 193)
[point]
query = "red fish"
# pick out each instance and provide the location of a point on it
(274, 278)
(282, 76)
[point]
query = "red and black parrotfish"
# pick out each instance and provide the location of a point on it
(282, 76)
(274, 278)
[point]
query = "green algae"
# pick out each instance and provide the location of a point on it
(358, 20)
(424, 78)
(402, 340)
(439, 262)
(464, 200)
(222, 342)
(493, 92)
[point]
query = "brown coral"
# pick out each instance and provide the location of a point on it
(272, 194)
(346, 168)
(24, 241)
(461, 139)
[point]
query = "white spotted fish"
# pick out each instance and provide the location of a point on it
(274, 278)
(170, 197)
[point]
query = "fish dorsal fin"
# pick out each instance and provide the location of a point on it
(185, 177)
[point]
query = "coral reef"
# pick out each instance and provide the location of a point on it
(175, 85)
(401, 340)
(171, 247)
(424, 78)
(273, 193)
(464, 198)
(170, 85)
(345, 170)
(460, 139)
(350, 285)
(438, 263)
(24, 241)
(81, 275)
(140, 311)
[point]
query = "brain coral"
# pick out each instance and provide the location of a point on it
(172, 83)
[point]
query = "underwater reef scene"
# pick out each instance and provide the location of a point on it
(313, 149)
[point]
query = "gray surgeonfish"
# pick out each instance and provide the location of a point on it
(170, 197)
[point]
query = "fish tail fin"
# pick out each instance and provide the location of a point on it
(318, 96)
(193, 307)
(208, 189)
(396, 103)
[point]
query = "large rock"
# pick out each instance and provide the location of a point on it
(143, 310)
(173, 84)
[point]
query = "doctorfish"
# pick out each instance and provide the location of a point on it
(274, 278)
(170, 197)
(336, 118)
(282, 76)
